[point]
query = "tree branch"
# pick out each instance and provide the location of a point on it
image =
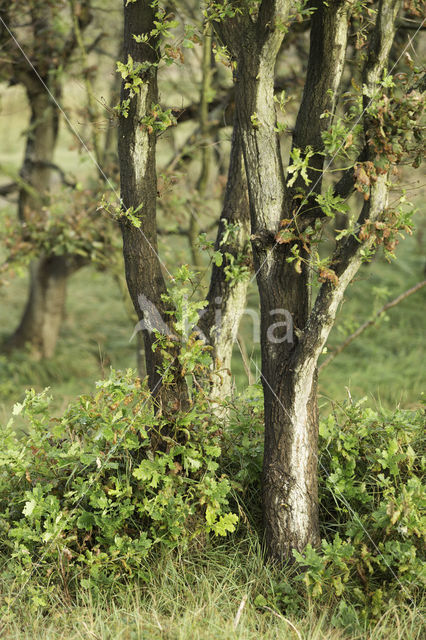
(42, 164)
(346, 183)
(202, 181)
(6, 189)
(84, 18)
(92, 46)
(381, 40)
(329, 32)
(378, 53)
(92, 106)
(370, 322)
(347, 257)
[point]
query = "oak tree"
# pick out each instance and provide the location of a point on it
(361, 136)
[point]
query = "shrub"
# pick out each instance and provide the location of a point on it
(85, 497)
(372, 501)
(242, 453)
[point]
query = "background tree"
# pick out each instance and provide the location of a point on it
(49, 53)
(41, 42)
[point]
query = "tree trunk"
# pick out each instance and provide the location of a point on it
(290, 506)
(227, 298)
(202, 182)
(289, 469)
(41, 321)
(136, 149)
(40, 324)
(289, 473)
(290, 493)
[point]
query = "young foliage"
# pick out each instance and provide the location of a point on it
(85, 497)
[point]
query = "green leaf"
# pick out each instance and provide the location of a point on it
(29, 507)
(86, 520)
(225, 524)
(218, 258)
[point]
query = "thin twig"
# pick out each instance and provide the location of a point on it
(370, 322)
(245, 359)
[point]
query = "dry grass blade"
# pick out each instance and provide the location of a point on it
(240, 610)
(90, 632)
(290, 624)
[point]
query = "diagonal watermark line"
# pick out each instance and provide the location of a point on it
(342, 497)
(80, 139)
(108, 181)
(410, 43)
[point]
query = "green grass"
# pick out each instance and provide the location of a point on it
(195, 596)
(386, 362)
(95, 335)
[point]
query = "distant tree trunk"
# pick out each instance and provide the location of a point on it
(41, 321)
(136, 149)
(44, 311)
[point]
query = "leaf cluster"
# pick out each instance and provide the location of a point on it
(85, 499)
(372, 491)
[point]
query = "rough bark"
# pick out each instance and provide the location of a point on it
(226, 299)
(347, 258)
(289, 366)
(289, 493)
(136, 149)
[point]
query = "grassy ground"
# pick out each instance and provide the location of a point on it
(198, 596)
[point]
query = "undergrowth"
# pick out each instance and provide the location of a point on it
(88, 509)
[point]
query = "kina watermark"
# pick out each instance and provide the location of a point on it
(278, 331)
